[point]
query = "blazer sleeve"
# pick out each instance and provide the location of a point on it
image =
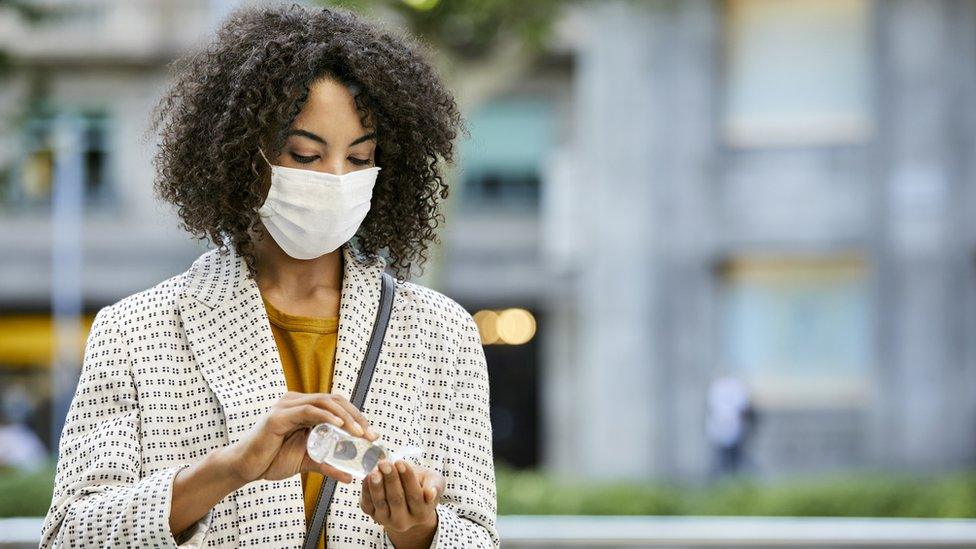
(100, 497)
(467, 510)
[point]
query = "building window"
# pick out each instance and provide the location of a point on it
(798, 329)
(500, 163)
(32, 183)
(797, 72)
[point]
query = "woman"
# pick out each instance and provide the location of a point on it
(293, 131)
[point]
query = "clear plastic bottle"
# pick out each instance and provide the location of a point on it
(354, 455)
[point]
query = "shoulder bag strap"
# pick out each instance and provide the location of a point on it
(358, 398)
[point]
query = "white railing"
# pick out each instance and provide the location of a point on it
(642, 531)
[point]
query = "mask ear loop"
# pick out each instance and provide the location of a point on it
(265, 157)
(269, 164)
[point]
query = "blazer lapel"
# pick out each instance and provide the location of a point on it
(230, 337)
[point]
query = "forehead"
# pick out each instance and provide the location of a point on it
(330, 109)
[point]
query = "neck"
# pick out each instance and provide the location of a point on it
(295, 278)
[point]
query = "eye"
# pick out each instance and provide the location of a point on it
(360, 161)
(303, 159)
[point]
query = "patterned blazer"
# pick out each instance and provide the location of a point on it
(189, 365)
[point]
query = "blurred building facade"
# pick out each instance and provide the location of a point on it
(783, 191)
(779, 191)
(676, 191)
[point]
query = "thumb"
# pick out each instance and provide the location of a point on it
(339, 475)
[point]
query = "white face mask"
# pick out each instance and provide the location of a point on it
(310, 213)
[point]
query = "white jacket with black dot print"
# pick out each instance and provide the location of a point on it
(187, 366)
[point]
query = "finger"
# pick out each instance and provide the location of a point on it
(290, 395)
(365, 499)
(412, 489)
(330, 403)
(434, 484)
(330, 471)
(378, 493)
(394, 492)
(430, 494)
(287, 420)
(358, 417)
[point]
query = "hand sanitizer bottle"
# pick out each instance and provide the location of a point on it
(354, 455)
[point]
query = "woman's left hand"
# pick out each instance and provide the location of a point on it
(402, 497)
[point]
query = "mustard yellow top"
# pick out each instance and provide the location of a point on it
(307, 347)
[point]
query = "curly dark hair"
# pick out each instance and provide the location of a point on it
(245, 88)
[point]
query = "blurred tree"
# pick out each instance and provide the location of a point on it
(480, 45)
(470, 28)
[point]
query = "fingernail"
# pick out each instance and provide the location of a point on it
(376, 478)
(372, 433)
(337, 421)
(385, 467)
(401, 467)
(357, 429)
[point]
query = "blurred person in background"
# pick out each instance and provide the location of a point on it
(20, 447)
(730, 421)
(190, 420)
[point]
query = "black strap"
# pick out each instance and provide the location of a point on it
(357, 400)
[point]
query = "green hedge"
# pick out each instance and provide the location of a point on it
(26, 494)
(853, 495)
(532, 493)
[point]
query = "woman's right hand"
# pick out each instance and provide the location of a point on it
(275, 447)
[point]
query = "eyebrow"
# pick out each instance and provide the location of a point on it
(314, 137)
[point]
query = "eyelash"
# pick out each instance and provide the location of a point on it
(308, 159)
